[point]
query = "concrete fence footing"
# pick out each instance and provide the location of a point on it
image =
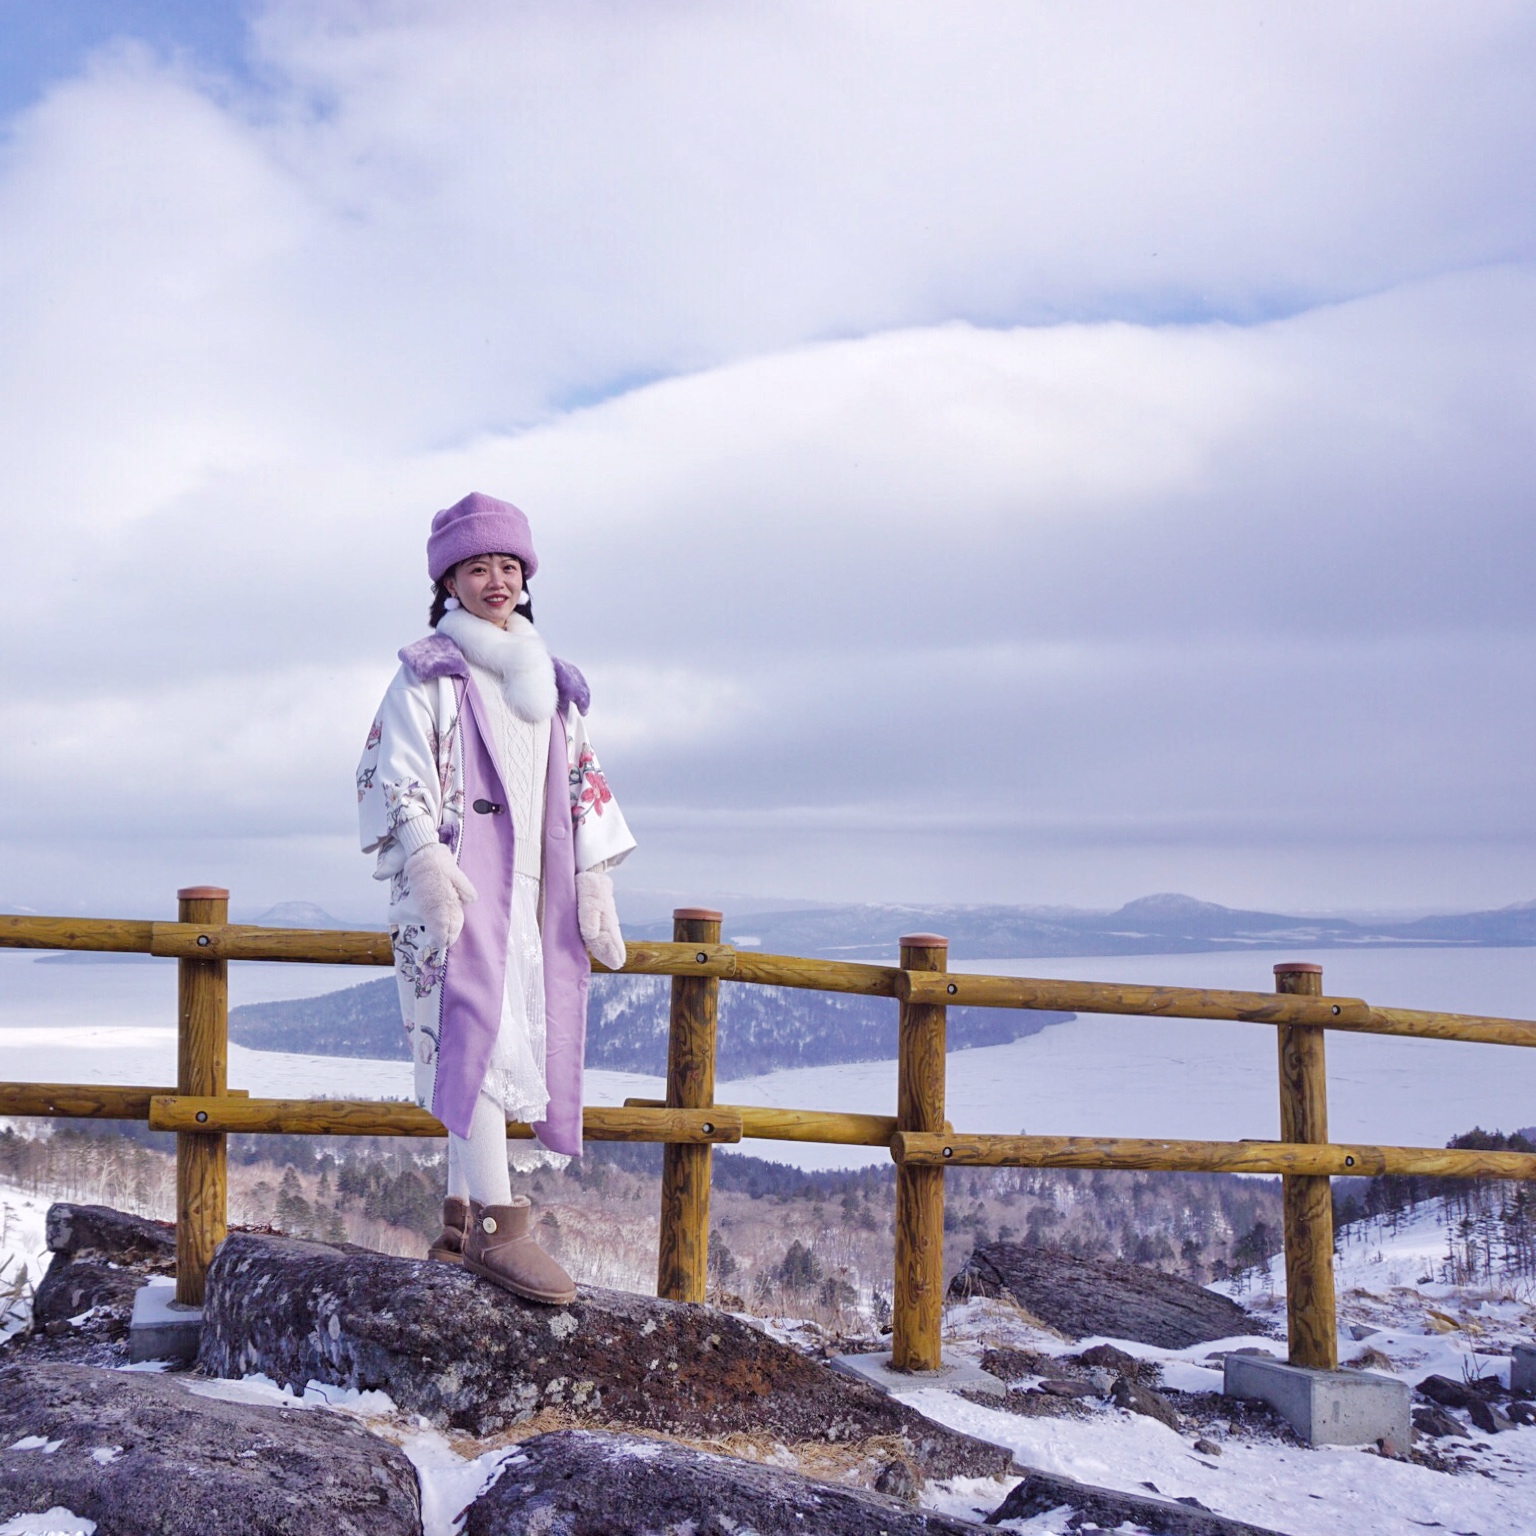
(1522, 1370)
(954, 1372)
(163, 1328)
(1325, 1407)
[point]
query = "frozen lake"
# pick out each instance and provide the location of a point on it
(1102, 1074)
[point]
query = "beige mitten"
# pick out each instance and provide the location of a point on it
(439, 889)
(599, 918)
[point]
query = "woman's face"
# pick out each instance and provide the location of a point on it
(488, 586)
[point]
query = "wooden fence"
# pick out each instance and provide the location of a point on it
(202, 1110)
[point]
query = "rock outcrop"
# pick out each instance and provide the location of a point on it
(100, 1257)
(1131, 1395)
(575, 1481)
(1460, 1394)
(141, 1453)
(469, 1356)
(1485, 1400)
(1086, 1297)
(70, 1289)
(1106, 1509)
(97, 1232)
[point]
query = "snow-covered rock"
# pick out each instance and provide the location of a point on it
(472, 1357)
(621, 1484)
(142, 1453)
(1084, 1297)
(1042, 1495)
(99, 1259)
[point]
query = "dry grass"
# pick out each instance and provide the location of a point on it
(1370, 1360)
(853, 1464)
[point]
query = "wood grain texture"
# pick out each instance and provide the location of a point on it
(713, 1125)
(235, 941)
(917, 1309)
(1115, 997)
(643, 957)
(820, 975)
(108, 935)
(202, 1068)
(85, 1101)
(1307, 1199)
(682, 1259)
(1419, 1025)
(1352, 1015)
(1310, 1307)
(828, 1127)
(79, 1101)
(825, 1126)
(381, 1117)
(1272, 1157)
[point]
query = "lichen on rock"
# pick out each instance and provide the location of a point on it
(469, 1356)
(141, 1453)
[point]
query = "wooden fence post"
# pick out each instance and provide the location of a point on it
(1308, 1199)
(918, 1311)
(682, 1264)
(202, 1069)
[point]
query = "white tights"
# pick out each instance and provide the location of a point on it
(477, 1166)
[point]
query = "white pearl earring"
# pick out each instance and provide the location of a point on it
(522, 598)
(450, 603)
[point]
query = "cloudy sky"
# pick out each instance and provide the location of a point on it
(1042, 453)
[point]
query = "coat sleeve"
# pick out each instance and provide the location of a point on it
(400, 789)
(603, 837)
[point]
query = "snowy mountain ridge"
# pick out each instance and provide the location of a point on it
(1165, 923)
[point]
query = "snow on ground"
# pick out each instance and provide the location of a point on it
(1391, 1300)
(1390, 1303)
(57, 1521)
(449, 1482)
(1303, 1492)
(23, 1254)
(1414, 1326)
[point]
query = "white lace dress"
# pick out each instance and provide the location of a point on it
(515, 1078)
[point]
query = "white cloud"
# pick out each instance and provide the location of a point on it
(854, 556)
(263, 754)
(738, 175)
(861, 583)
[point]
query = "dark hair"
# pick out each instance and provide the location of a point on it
(441, 594)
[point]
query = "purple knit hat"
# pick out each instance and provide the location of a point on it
(478, 525)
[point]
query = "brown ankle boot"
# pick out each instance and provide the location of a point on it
(449, 1246)
(499, 1247)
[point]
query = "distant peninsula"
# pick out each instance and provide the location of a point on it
(762, 1029)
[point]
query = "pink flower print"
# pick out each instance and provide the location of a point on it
(593, 793)
(375, 733)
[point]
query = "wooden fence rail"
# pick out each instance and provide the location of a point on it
(202, 1110)
(1332, 1160)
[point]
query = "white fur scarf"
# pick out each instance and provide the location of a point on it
(516, 655)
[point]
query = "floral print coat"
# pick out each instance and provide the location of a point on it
(427, 756)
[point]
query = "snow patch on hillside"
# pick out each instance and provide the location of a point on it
(1395, 1319)
(23, 1254)
(1390, 1298)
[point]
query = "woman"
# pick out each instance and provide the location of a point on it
(491, 820)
